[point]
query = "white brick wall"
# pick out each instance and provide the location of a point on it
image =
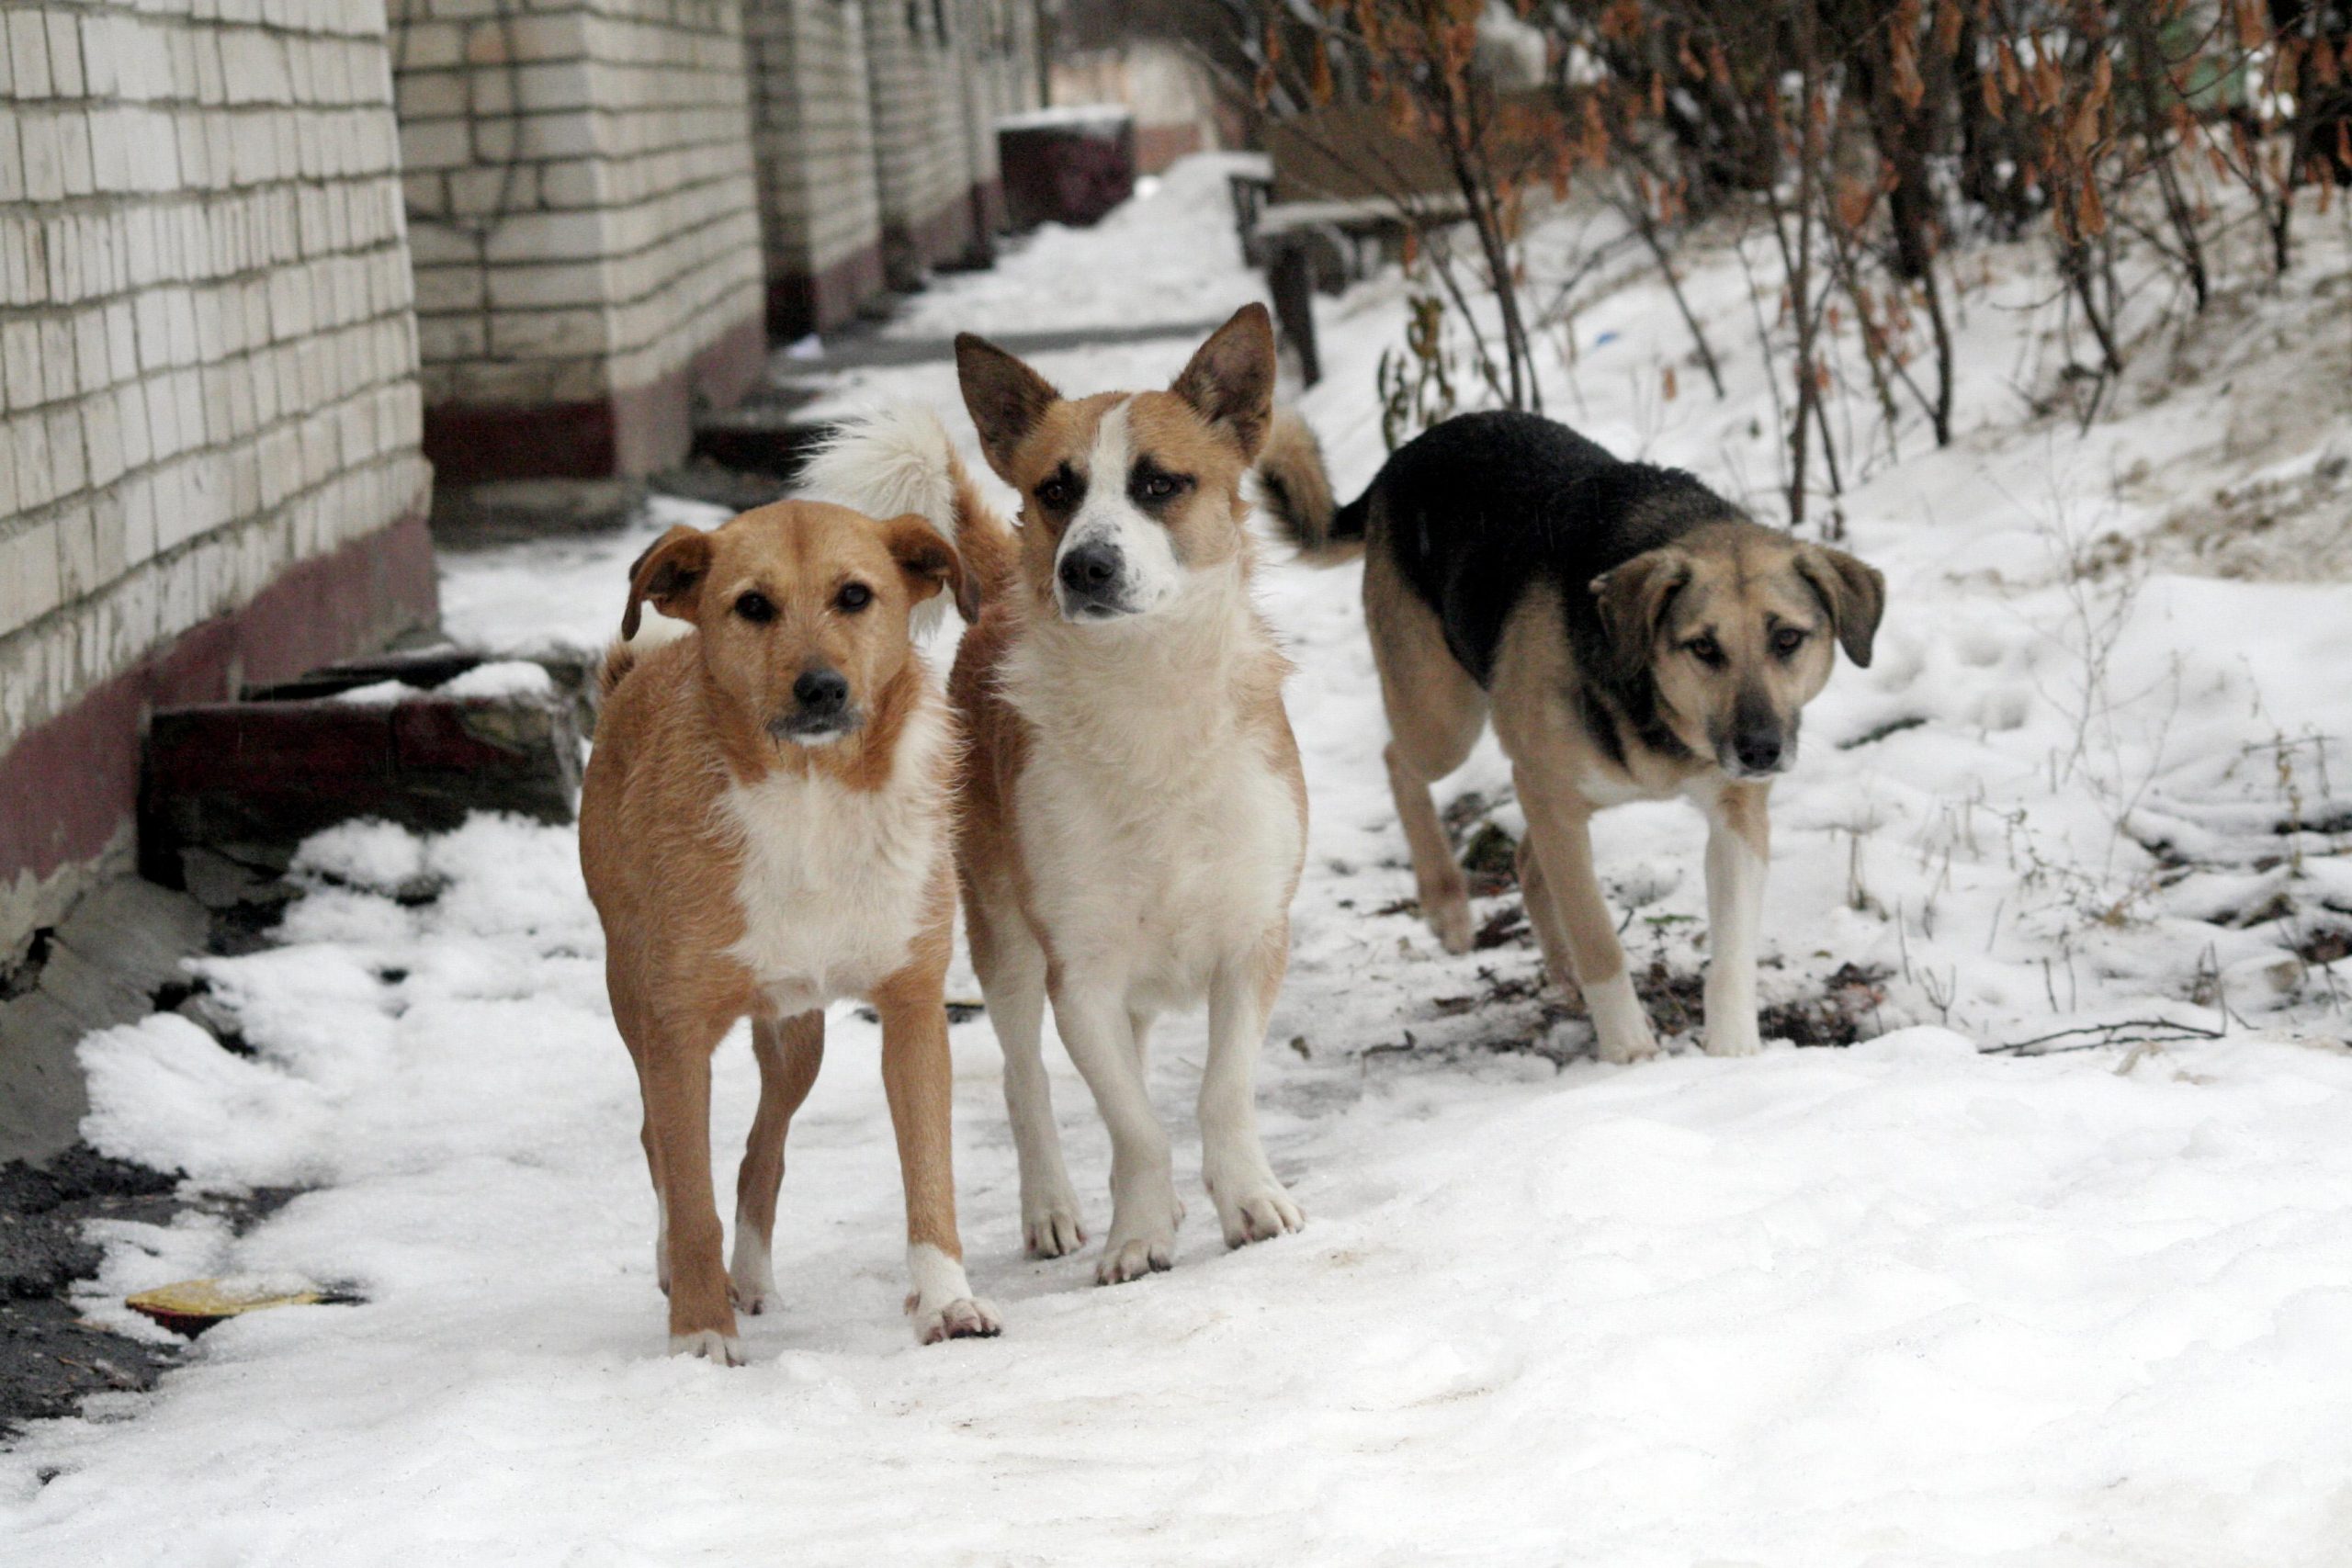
(206, 350)
(922, 157)
(812, 131)
(578, 190)
(1004, 69)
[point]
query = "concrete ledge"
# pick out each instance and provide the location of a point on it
(71, 785)
(251, 780)
(638, 430)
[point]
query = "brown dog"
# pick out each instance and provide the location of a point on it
(765, 828)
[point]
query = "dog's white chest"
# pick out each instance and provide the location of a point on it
(1166, 872)
(834, 882)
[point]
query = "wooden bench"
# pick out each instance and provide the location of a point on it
(1338, 194)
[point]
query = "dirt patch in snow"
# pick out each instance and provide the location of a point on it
(2291, 528)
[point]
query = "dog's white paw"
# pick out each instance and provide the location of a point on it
(1051, 1227)
(1135, 1258)
(1734, 1040)
(1621, 1027)
(1622, 1046)
(751, 1277)
(1143, 1231)
(966, 1317)
(1258, 1209)
(710, 1346)
(752, 1297)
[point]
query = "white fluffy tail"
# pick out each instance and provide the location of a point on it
(892, 460)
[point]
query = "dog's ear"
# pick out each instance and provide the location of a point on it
(1633, 598)
(930, 563)
(1230, 382)
(670, 574)
(1854, 595)
(1005, 397)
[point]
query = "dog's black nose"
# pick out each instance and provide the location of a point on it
(821, 692)
(1759, 750)
(1090, 569)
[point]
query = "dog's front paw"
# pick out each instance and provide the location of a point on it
(1739, 1038)
(751, 1277)
(966, 1317)
(1622, 1046)
(1255, 1209)
(710, 1345)
(1144, 1218)
(1050, 1226)
(1135, 1258)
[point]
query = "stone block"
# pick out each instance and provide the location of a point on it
(252, 779)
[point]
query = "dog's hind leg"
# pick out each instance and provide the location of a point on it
(1011, 968)
(918, 1079)
(1738, 849)
(1435, 714)
(789, 1051)
(1560, 829)
(1251, 1203)
(1092, 1016)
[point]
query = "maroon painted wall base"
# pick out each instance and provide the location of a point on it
(637, 431)
(71, 783)
(800, 303)
(988, 208)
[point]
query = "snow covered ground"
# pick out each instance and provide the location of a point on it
(1929, 1300)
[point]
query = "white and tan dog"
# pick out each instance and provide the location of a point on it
(765, 828)
(1134, 818)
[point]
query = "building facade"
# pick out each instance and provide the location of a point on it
(210, 467)
(268, 266)
(582, 214)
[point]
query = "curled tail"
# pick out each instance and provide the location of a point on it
(1296, 491)
(889, 461)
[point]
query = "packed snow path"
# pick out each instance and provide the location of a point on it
(1906, 1303)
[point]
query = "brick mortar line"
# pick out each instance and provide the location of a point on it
(163, 560)
(602, 259)
(488, 356)
(89, 302)
(23, 520)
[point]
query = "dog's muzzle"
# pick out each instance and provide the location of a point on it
(1758, 753)
(820, 713)
(1093, 583)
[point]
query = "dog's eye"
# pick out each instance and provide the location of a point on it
(1787, 641)
(1707, 651)
(1159, 487)
(1053, 492)
(853, 597)
(756, 608)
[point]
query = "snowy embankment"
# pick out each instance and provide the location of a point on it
(1908, 1303)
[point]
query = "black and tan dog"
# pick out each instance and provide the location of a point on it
(1633, 637)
